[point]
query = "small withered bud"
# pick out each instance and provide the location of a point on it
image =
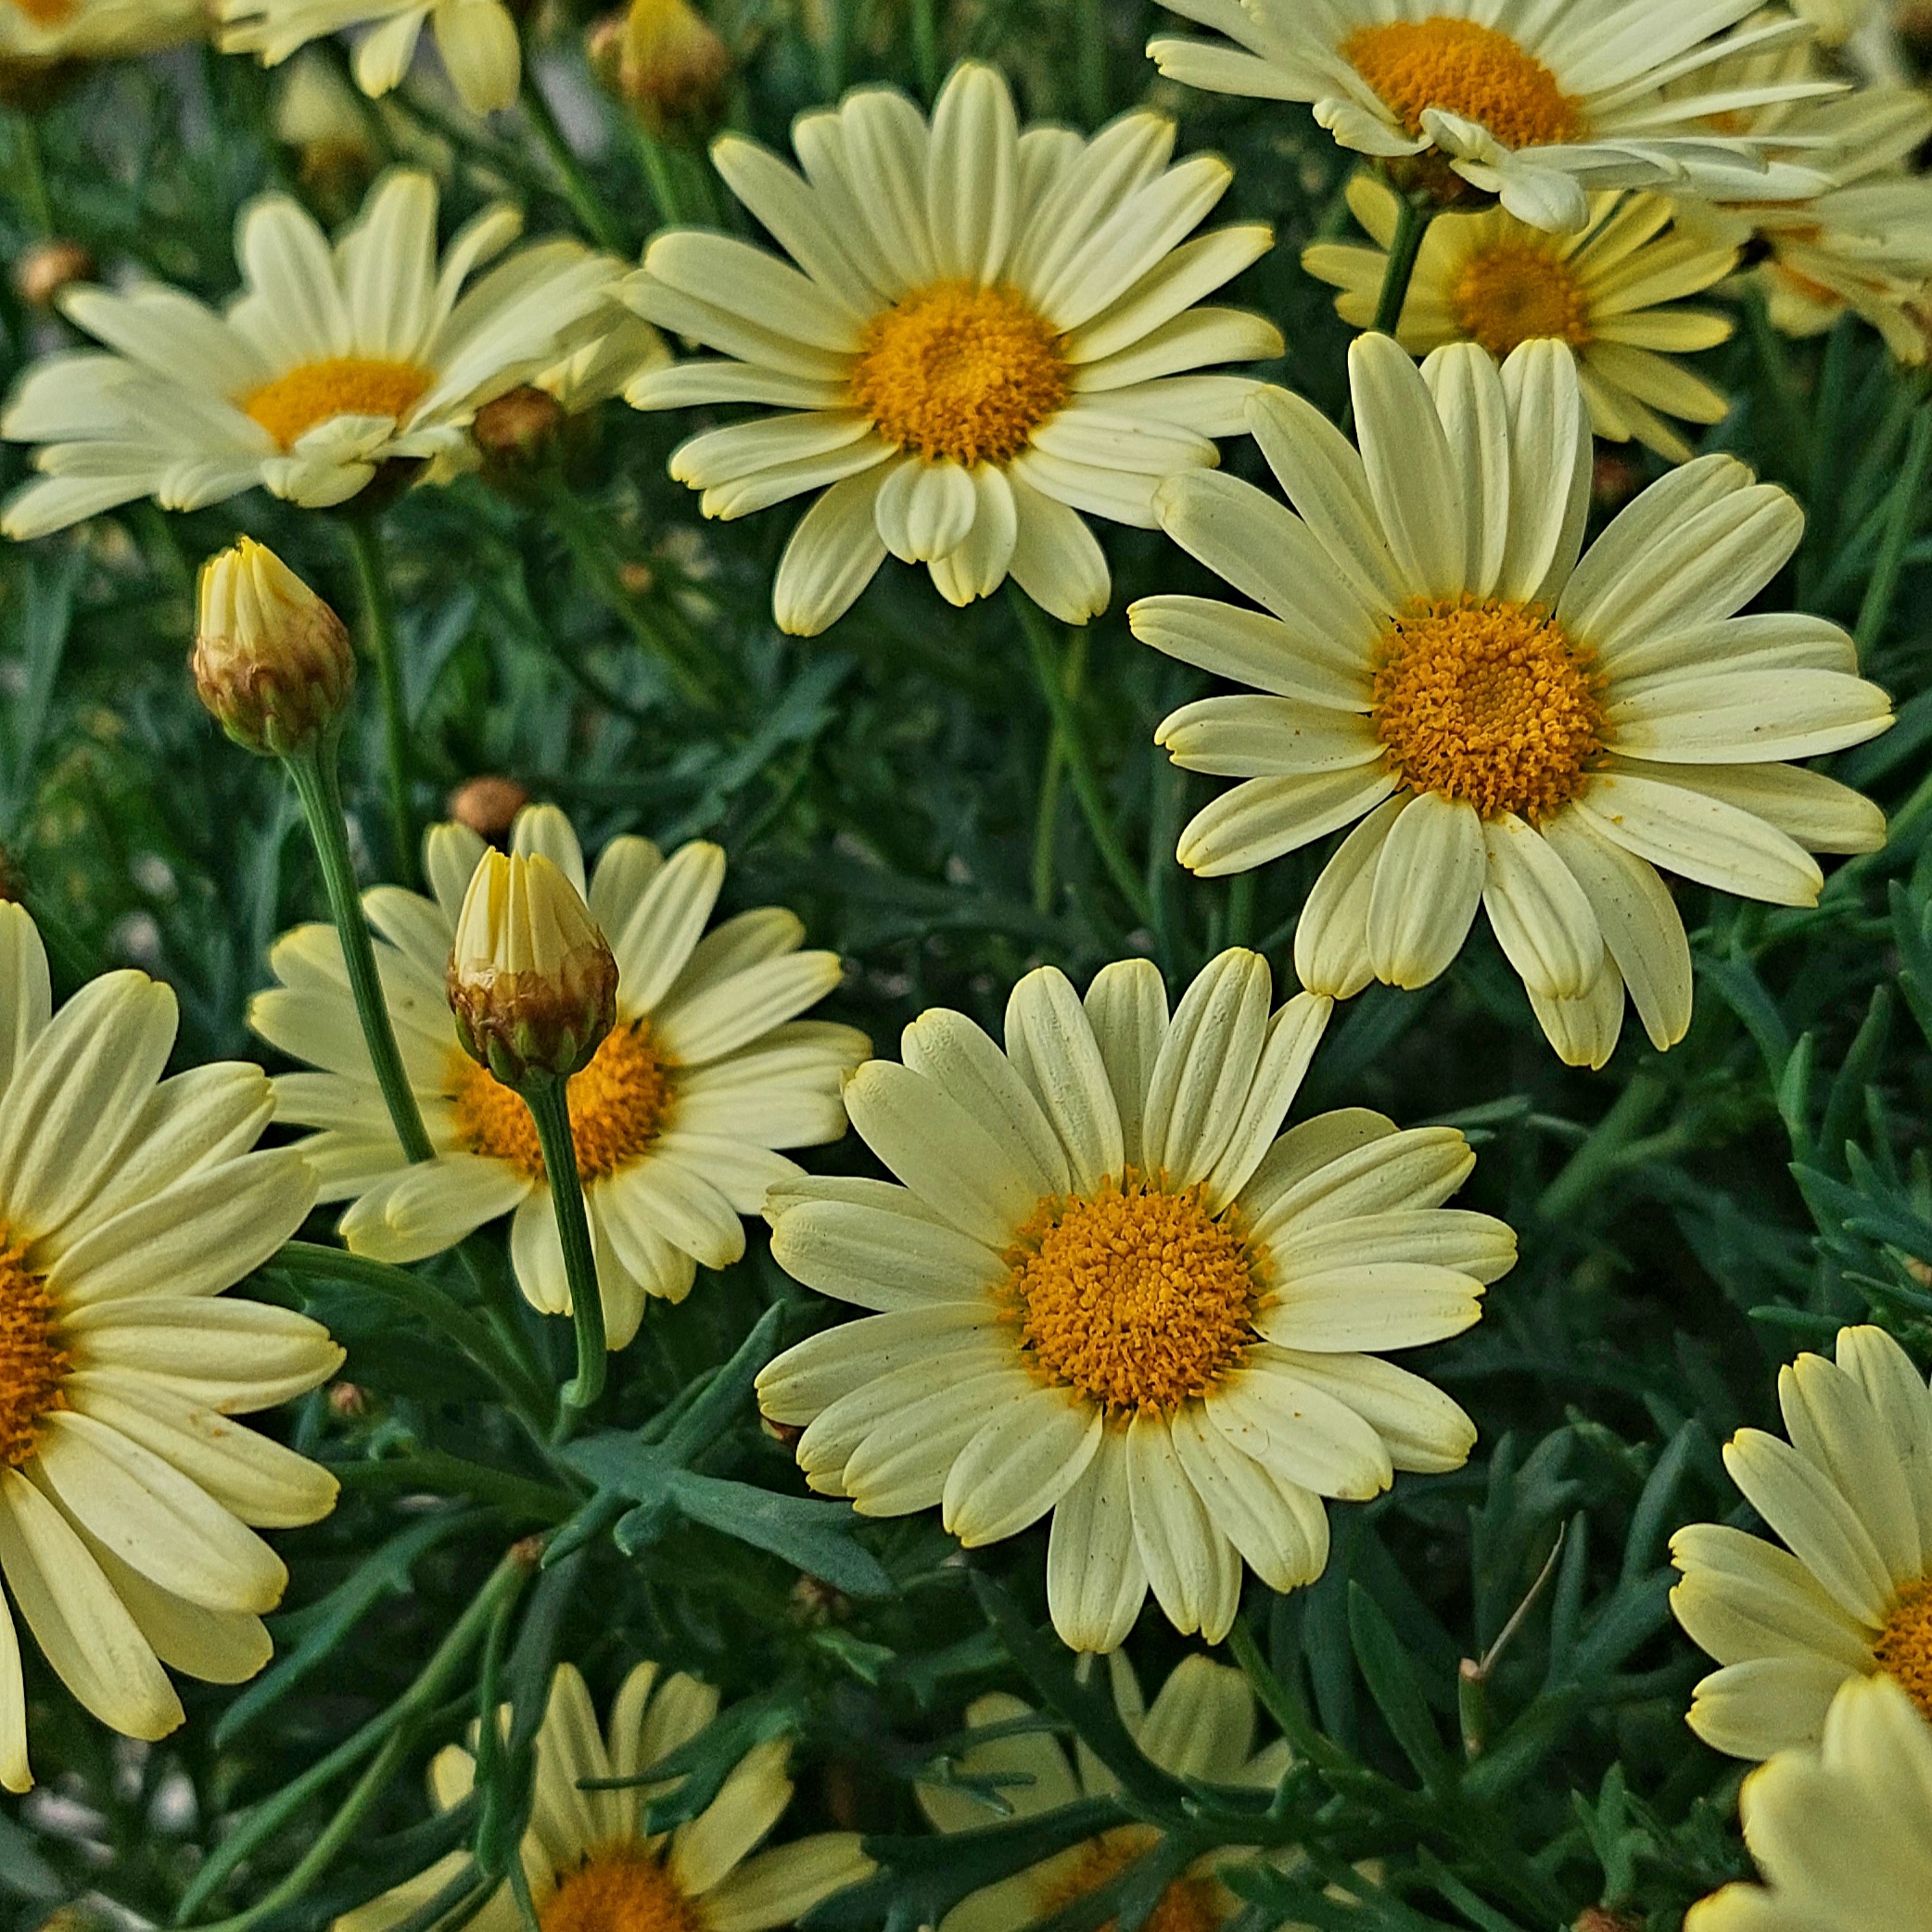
(532, 982)
(603, 51)
(271, 661)
(348, 1400)
(1601, 1918)
(487, 805)
(47, 268)
(672, 69)
(517, 433)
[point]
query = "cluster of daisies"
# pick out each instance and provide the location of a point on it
(1108, 1287)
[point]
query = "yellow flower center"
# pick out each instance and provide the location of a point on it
(959, 372)
(619, 1105)
(1487, 701)
(1515, 291)
(1904, 1645)
(1187, 1905)
(1138, 1298)
(344, 386)
(1469, 69)
(48, 13)
(623, 1889)
(33, 1362)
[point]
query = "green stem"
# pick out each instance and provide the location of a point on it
(1901, 513)
(548, 1099)
(1052, 679)
(580, 190)
(445, 1475)
(1606, 1150)
(33, 174)
(1412, 221)
(1090, 26)
(379, 641)
(389, 1735)
(925, 45)
(1046, 826)
(318, 787)
(660, 175)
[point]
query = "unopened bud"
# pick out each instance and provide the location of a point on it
(349, 1400)
(517, 433)
(47, 269)
(271, 661)
(487, 805)
(1601, 1918)
(532, 982)
(672, 67)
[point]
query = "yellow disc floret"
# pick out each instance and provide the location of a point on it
(1468, 69)
(1187, 1905)
(344, 386)
(1138, 1298)
(624, 1890)
(48, 13)
(1515, 291)
(959, 372)
(1487, 701)
(619, 1105)
(1904, 1645)
(33, 1365)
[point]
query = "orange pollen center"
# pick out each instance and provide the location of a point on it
(960, 373)
(1904, 1645)
(1136, 1300)
(623, 1889)
(1515, 291)
(48, 13)
(1187, 1905)
(1487, 701)
(619, 1105)
(1469, 69)
(33, 1365)
(344, 386)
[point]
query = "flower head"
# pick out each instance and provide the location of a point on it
(592, 1867)
(273, 662)
(1850, 1594)
(532, 982)
(671, 65)
(129, 1497)
(1536, 105)
(1842, 1831)
(1110, 1288)
(705, 1072)
(1514, 725)
(37, 31)
(1199, 1727)
(984, 336)
(477, 39)
(329, 363)
(1613, 290)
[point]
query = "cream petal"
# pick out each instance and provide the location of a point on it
(1429, 881)
(1126, 1007)
(1291, 659)
(1764, 1705)
(777, 1887)
(1833, 1425)
(1364, 1169)
(1189, 1563)
(880, 1259)
(973, 172)
(908, 1448)
(1699, 836)
(811, 1375)
(957, 1056)
(16, 1772)
(1584, 1030)
(1266, 737)
(1293, 1035)
(1726, 720)
(1096, 1580)
(1019, 1465)
(1306, 1149)
(1898, 1394)
(1263, 817)
(1542, 918)
(1818, 1525)
(1468, 392)
(1331, 937)
(1200, 1078)
(1411, 474)
(1051, 1043)
(1280, 1528)
(1817, 812)
(26, 995)
(232, 1356)
(1057, 560)
(833, 554)
(1369, 1305)
(1550, 455)
(1296, 1433)
(1423, 1430)
(1742, 1597)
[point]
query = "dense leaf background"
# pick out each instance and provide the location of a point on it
(1688, 1221)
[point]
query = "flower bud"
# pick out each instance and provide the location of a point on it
(673, 68)
(47, 268)
(532, 982)
(487, 805)
(271, 661)
(517, 434)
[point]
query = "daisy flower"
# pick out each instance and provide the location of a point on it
(986, 333)
(1200, 1727)
(1513, 726)
(477, 40)
(591, 1863)
(1535, 103)
(1850, 1594)
(94, 29)
(705, 1074)
(129, 1497)
(1612, 291)
(1111, 1289)
(328, 363)
(1842, 1833)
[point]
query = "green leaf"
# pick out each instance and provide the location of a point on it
(1390, 1676)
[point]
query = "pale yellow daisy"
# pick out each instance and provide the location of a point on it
(1535, 103)
(592, 1867)
(1613, 290)
(330, 362)
(707, 1071)
(987, 334)
(475, 38)
(129, 1497)
(1851, 1595)
(94, 29)
(1516, 726)
(1111, 1289)
(1200, 1727)
(1842, 1833)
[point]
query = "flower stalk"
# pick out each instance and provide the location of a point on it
(547, 1097)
